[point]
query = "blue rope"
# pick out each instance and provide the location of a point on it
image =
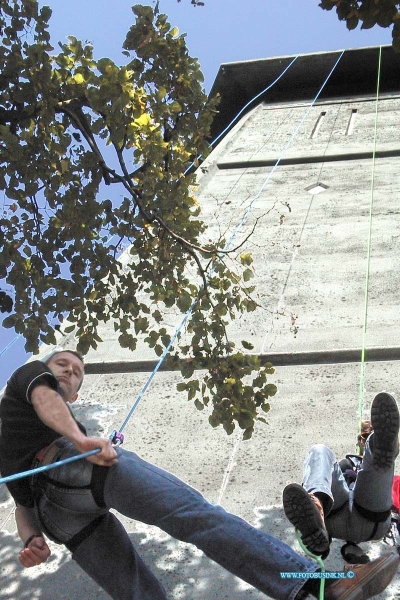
(187, 315)
(243, 109)
(9, 345)
(162, 358)
(252, 100)
(249, 208)
(48, 467)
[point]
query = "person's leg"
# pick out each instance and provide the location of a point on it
(306, 514)
(308, 506)
(98, 542)
(373, 488)
(110, 559)
(148, 494)
(322, 474)
(371, 497)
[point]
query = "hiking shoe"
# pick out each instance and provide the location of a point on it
(305, 512)
(385, 423)
(366, 580)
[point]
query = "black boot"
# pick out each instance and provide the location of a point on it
(384, 442)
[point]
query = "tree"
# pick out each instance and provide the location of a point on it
(370, 12)
(72, 129)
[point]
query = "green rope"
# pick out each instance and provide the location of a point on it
(319, 561)
(362, 375)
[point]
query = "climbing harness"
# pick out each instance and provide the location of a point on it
(115, 438)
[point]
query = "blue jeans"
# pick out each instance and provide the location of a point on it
(372, 491)
(148, 494)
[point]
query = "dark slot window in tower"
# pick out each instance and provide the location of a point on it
(350, 124)
(317, 125)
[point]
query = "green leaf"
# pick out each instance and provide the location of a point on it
(259, 381)
(184, 302)
(369, 22)
(6, 303)
(247, 274)
(385, 17)
(187, 369)
(157, 316)
(46, 13)
(10, 321)
(247, 434)
(247, 345)
(69, 329)
(175, 107)
(270, 389)
(352, 23)
(327, 4)
(161, 92)
(158, 349)
(229, 427)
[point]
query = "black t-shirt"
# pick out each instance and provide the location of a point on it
(22, 433)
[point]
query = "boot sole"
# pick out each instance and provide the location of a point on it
(301, 512)
(385, 423)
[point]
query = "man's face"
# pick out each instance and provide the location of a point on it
(68, 370)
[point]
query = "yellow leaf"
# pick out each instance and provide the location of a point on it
(143, 120)
(174, 31)
(78, 78)
(246, 258)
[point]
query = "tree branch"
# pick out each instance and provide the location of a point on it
(73, 108)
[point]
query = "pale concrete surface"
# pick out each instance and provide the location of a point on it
(309, 265)
(317, 404)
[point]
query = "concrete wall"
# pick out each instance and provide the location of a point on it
(310, 267)
(311, 250)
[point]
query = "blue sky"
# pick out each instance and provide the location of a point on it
(248, 29)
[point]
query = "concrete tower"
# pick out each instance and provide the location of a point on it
(311, 164)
